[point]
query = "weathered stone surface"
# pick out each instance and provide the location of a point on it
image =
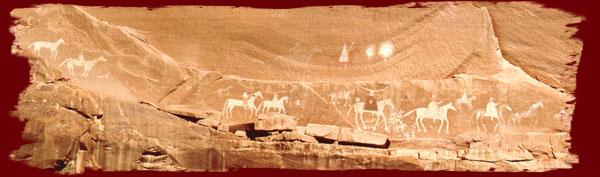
(209, 123)
(450, 86)
(363, 137)
(271, 122)
(194, 111)
(289, 136)
(232, 128)
(240, 134)
(300, 129)
(330, 132)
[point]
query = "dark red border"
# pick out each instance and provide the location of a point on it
(15, 78)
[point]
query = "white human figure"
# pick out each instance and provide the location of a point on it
(432, 107)
(245, 100)
(87, 65)
(490, 110)
(465, 100)
(274, 97)
(344, 55)
(38, 45)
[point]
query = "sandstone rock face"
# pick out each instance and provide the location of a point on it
(460, 86)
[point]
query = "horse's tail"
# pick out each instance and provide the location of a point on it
(30, 45)
(409, 112)
(351, 108)
(60, 65)
(259, 105)
(474, 112)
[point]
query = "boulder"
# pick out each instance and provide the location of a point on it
(362, 137)
(209, 123)
(194, 111)
(289, 136)
(273, 122)
(330, 132)
(230, 127)
(300, 129)
(240, 134)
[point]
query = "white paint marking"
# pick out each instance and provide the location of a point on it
(370, 51)
(386, 49)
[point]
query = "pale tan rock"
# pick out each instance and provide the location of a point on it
(330, 132)
(289, 136)
(240, 134)
(300, 129)
(363, 137)
(272, 122)
(194, 111)
(232, 128)
(209, 123)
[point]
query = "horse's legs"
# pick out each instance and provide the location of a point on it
(224, 108)
(423, 125)
(385, 123)
(363, 120)
(72, 70)
(503, 124)
(255, 111)
(441, 125)
(477, 122)
(85, 71)
(417, 122)
(483, 124)
(447, 125)
(497, 122)
(376, 122)
(356, 119)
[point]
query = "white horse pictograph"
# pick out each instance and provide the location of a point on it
(232, 103)
(359, 109)
(341, 96)
(442, 114)
(465, 100)
(275, 104)
(480, 114)
(87, 65)
(516, 118)
(38, 45)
